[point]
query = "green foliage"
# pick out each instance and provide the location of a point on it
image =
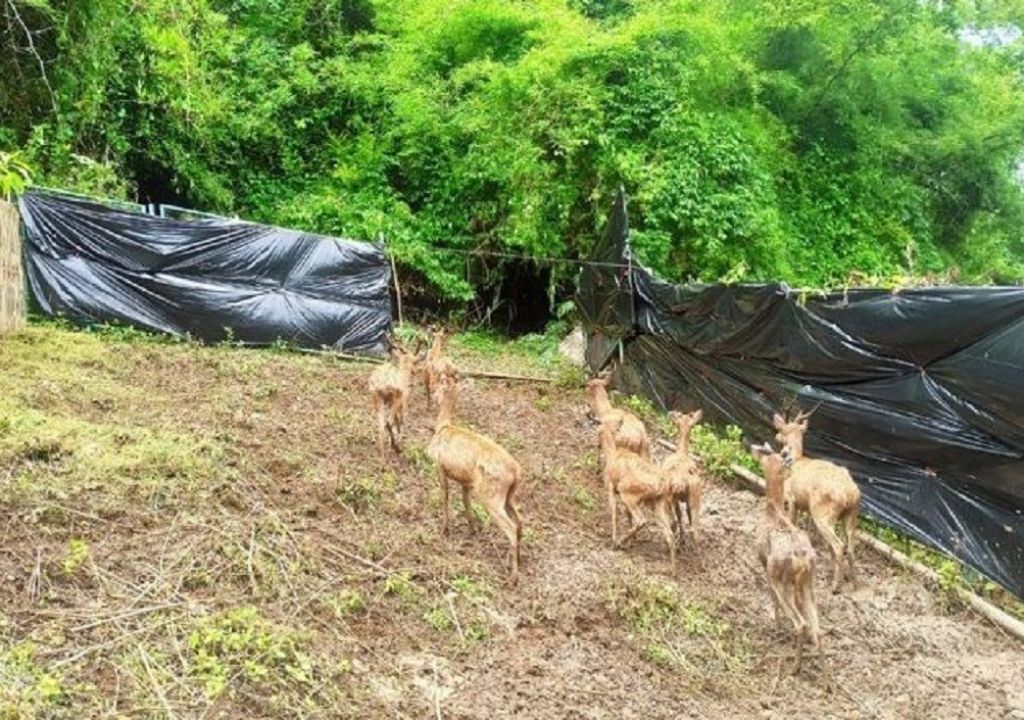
(797, 140)
(241, 644)
(719, 451)
(15, 175)
(26, 689)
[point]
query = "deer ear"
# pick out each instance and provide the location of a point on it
(698, 415)
(803, 426)
(778, 421)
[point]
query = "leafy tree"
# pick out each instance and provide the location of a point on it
(796, 139)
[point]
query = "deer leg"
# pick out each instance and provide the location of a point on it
(382, 430)
(810, 611)
(828, 533)
(637, 519)
(495, 508)
(694, 499)
(614, 510)
(850, 524)
(444, 497)
(790, 600)
(467, 507)
(662, 515)
(513, 513)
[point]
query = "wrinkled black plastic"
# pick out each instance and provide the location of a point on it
(92, 263)
(919, 393)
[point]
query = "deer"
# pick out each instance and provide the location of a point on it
(631, 434)
(437, 365)
(787, 556)
(823, 490)
(639, 484)
(483, 468)
(684, 473)
(389, 385)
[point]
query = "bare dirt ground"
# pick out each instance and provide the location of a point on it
(195, 532)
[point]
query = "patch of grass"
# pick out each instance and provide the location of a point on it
(401, 586)
(470, 588)
(438, 618)
(242, 646)
(674, 632)
(359, 494)
(584, 499)
(54, 455)
(27, 690)
(345, 604)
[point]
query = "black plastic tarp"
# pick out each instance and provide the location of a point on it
(920, 393)
(209, 279)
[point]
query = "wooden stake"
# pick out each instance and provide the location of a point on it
(398, 288)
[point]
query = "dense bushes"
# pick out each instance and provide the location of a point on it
(799, 140)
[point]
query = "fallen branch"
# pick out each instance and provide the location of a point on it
(504, 376)
(983, 607)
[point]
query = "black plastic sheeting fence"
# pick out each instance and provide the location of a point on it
(211, 279)
(920, 393)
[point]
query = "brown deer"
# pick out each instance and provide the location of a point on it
(823, 490)
(484, 470)
(786, 555)
(684, 473)
(631, 435)
(639, 484)
(437, 366)
(390, 385)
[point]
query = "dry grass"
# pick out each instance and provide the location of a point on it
(12, 281)
(191, 532)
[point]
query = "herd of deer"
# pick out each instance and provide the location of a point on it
(488, 473)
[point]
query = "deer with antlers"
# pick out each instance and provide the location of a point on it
(823, 490)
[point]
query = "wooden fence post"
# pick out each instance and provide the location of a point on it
(12, 281)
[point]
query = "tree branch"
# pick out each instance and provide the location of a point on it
(35, 53)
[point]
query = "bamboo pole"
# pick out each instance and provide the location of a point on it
(983, 607)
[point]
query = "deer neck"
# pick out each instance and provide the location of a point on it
(683, 444)
(796, 446)
(599, 399)
(445, 413)
(774, 493)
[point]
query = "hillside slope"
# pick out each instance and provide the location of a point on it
(205, 532)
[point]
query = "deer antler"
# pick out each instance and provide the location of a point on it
(805, 414)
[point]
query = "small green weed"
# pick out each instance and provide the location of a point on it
(401, 586)
(584, 499)
(76, 556)
(359, 494)
(346, 604)
(437, 617)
